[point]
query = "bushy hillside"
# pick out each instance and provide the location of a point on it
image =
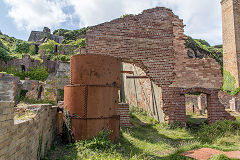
(8, 46)
(198, 48)
(71, 36)
(12, 47)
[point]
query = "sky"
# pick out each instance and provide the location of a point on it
(19, 17)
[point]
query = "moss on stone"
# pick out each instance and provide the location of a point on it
(228, 82)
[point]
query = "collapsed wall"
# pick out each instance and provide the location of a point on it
(154, 41)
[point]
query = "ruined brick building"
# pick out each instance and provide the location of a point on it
(154, 41)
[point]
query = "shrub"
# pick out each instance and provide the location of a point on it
(64, 58)
(79, 43)
(22, 47)
(209, 133)
(5, 55)
(39, 73)
(204, 47)
(100, 142)
(175, 125)
(48, 47)
(35, 101)
(32, 50)
(12, 70)
(74, 35)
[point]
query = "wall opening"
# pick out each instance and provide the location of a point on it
(23, 69)
(40, 92)
(196, 110)
(36, 49)
(56, 49)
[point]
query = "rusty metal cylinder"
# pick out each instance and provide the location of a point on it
(88, 101)
(92, 97)
(94, 70)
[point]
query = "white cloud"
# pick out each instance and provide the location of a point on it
(201, 17)
(92, 12)
(33, 14)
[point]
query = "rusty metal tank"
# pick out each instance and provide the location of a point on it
(93, 69)
(92, 97)
(89, 101)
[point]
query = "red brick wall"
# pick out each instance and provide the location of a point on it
(154, 40)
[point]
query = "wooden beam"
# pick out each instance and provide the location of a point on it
(137, 77)
(127, 72)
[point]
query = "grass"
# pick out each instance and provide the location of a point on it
(28, 114)
(148, 140)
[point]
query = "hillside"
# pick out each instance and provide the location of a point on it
(71, 36)
(11, 47)
(8, 46)
(198, 48)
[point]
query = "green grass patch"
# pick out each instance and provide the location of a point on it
(149, 139)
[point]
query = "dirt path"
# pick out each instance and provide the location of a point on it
(207, 153)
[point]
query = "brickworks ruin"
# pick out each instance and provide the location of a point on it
(154, 41)
(138, 60)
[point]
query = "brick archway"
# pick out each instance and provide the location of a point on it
(155, 41)
(216, 110)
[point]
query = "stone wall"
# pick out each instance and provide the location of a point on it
(23, 64)
(154, 41)
(27, 140)
(8, 87)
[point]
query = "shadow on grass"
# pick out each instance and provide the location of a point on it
(141, 132)
(147, 133)
(61, 151)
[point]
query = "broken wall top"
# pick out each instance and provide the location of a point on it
(155, 41)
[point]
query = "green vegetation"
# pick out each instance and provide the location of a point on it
(229, 83)
(220, 157)
(11, 47)
(5, 55)
(203, 47)
(75, 38)
(125, 15)
(35, 101)
(22, 47)
(38, 73)
(48, 47)
(49, 50)
(70, 36)
(151, 140)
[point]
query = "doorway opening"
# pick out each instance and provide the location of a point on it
(196, 110)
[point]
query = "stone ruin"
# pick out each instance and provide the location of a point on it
(40, 37)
